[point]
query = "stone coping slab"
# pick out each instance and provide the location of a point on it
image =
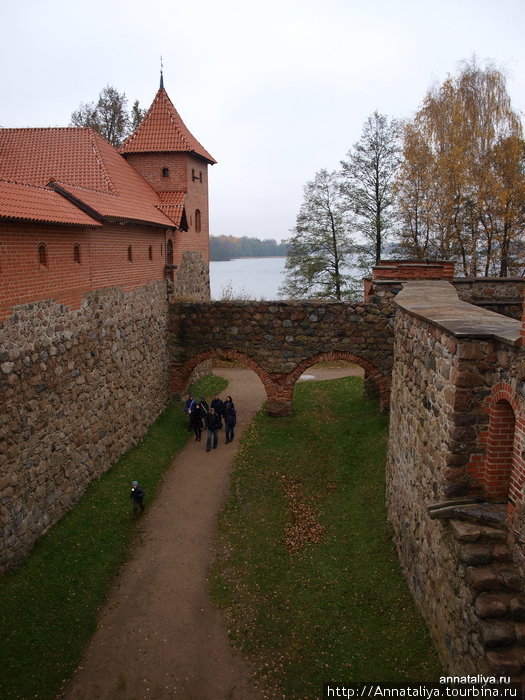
(437, 301)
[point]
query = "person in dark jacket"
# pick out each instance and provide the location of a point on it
(230, 419)
(196, 419)
(218, 405)
(213, 422)
(137, 496)
(188, 408)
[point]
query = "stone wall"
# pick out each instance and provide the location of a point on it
(78, 388)
(192, 279)
(279, 340)
(450, 359)
(420, 453)
(502, 295)
(70, 382)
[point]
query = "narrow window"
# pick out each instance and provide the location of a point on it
(42, 254)
(198, 220)
(76, 253)
(150, 252)
(165, 172)
(130, 254)
(196, 177)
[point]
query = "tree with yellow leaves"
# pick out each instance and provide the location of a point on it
(461, 185)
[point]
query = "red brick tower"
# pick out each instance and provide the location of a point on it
(165, 153)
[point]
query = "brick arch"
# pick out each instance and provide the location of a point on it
(503, 470)
(383, 383)
(181, 374)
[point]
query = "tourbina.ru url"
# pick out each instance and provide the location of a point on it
(497, 688)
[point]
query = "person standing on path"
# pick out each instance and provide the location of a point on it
(218, 405)
(213, 422)
(230, 419)
(196, 419)
(137, 496)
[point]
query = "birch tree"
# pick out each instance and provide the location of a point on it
(368, 177)
(468, 166)
(320, 248)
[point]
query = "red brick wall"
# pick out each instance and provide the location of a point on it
(150, 165)
(503, 471)
(104, 261)
(197, 198)
(410, 269)
(186, 174)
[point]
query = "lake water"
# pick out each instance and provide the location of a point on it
(251, 278)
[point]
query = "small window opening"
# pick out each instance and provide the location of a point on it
(196, 177)
(130, 254)
(150, 252)
(197, 220)
(76, 253)
(165, 172)
(42, 254)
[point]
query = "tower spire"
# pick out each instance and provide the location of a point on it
(161, 76)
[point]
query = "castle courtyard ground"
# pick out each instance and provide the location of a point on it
(159, 635)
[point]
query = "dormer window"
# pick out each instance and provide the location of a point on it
(165, 172)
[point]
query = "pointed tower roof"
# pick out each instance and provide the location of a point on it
(162, 130)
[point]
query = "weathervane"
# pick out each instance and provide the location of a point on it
(161, 76)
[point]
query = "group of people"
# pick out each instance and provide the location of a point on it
(211, 418)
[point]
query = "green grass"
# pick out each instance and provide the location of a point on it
(336, 610)
(49, 605)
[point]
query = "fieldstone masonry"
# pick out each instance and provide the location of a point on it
(79, 387)
(457, 441)
(69, 382)
(279, 340)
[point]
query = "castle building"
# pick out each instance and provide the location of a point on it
(77, 215)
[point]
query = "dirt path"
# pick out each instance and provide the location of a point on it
(158, 635)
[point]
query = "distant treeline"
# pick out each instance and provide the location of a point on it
(228, 247)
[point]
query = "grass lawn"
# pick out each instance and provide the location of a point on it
(49, 606)
(306, 569)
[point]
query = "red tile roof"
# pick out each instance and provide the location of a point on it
(173, 206)
(38, 204)
(162, 130)
(79, 164)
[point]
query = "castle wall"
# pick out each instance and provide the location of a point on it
(70, 381)
(420, 455)
(104, 261)
(449, 360)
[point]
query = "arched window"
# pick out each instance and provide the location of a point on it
(76, 254)
(42, 254)
(165, 172)
(169, 259)
(197, 220)
(499, 461)
(130, 254)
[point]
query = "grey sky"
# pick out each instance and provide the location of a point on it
(274, 90)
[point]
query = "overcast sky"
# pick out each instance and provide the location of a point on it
(274, 90)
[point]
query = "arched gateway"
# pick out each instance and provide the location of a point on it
(280, 340)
